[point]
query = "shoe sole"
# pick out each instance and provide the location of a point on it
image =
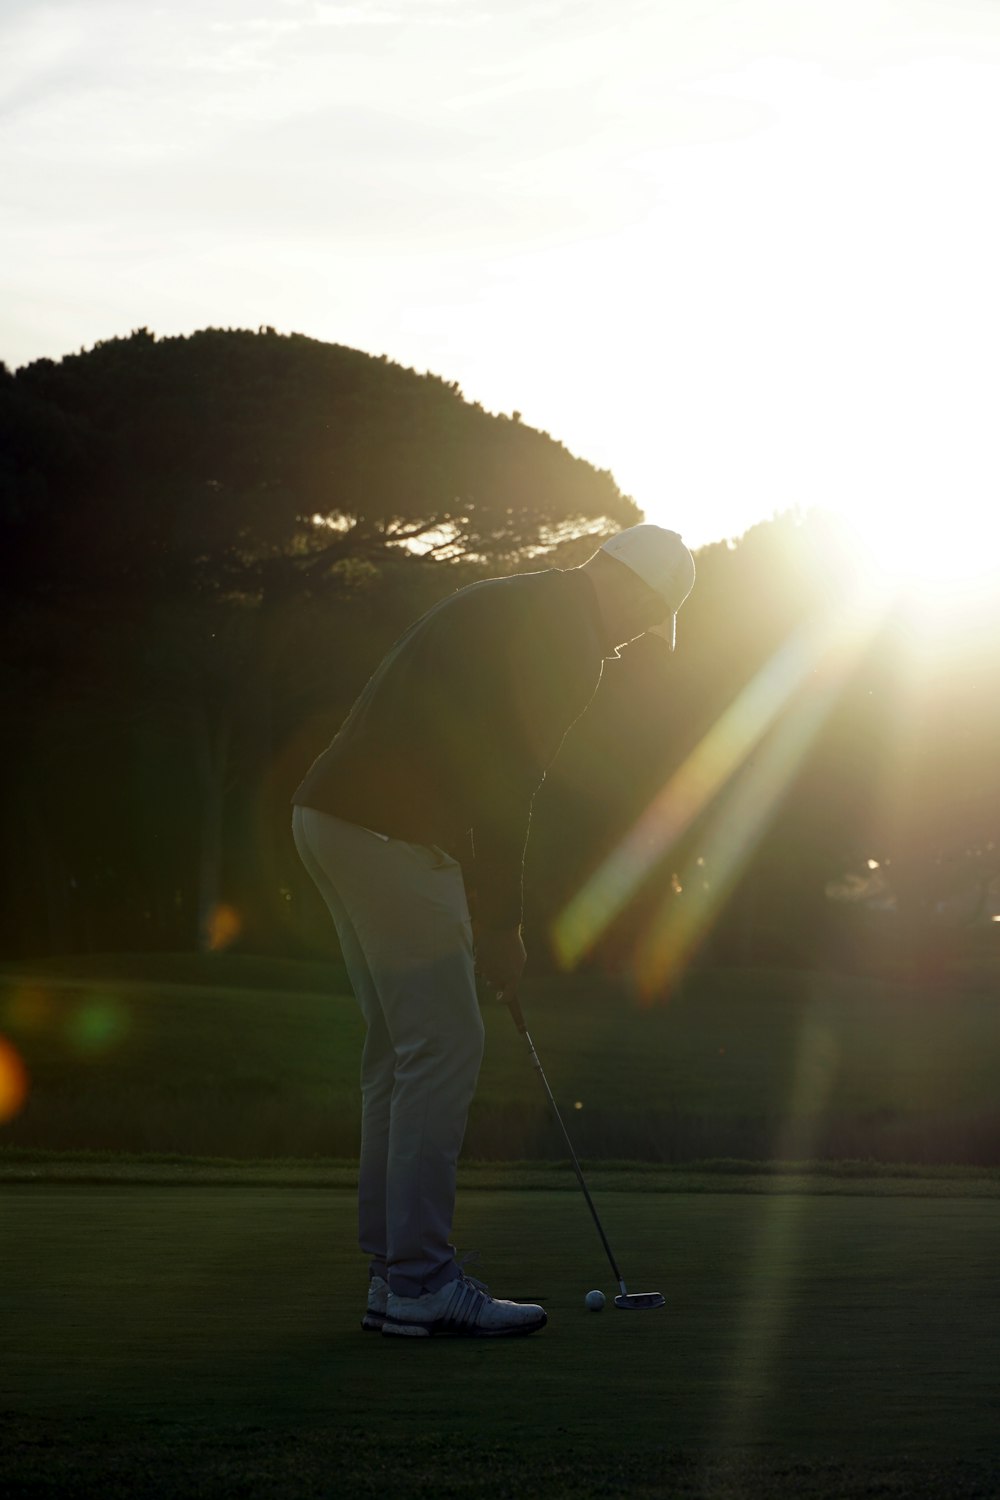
(448, 1330)
(373, 1322)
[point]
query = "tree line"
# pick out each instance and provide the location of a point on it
(210, 542)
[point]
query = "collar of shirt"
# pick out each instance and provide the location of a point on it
(608, 653)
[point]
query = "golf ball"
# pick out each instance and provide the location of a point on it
(595, 1301)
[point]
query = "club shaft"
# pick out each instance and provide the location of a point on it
(515, 1010)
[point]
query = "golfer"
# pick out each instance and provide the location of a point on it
(423, 799)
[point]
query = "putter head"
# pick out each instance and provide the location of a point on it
(640, 1301)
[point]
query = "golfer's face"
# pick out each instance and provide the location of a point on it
(646, 609)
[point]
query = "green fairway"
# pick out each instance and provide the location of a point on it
(233, 1056)
(205, 1339)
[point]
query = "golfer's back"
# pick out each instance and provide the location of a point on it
(465, 712)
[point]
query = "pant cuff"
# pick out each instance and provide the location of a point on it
(410, 1286)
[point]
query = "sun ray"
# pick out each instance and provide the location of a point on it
(768, 1300)
(804, 677)
(740, 817)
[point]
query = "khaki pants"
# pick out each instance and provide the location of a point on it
(403, 921)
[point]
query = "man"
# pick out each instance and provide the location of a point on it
(438, 762)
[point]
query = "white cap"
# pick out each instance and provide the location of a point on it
(663, 562)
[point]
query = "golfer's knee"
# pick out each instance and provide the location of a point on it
(461, 1050)
(445, 1054)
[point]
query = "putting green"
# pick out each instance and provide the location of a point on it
(814, 1327)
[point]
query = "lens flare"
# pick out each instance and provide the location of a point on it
(28, 1009)
(13, 1081)
(768, 1294)
(224, 927)
(97, 1024)
(779, 712)
(739, 818)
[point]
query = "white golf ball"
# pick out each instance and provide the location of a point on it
(595, 1301)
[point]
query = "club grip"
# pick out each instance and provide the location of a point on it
(514, 1006)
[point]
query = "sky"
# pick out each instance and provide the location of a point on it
(742, 253)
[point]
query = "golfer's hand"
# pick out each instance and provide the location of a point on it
(500, 958)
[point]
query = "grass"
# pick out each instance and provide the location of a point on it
(807, 1165)
(203, 1340)
(226, 1055)
(845, 1178)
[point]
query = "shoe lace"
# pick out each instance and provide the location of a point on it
(461, 1261)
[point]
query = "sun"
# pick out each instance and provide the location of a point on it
(945, 559)
(952, 551)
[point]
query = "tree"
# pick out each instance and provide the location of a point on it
(208, 542)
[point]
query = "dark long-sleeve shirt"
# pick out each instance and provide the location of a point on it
(457, 726)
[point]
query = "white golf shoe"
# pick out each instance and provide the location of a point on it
(378, 1296)
(462, 1308)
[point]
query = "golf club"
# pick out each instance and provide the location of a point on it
(629, 1301)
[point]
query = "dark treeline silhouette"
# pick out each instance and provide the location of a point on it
(209, 543)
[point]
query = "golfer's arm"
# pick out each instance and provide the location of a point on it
(531, 703)
(499, 836)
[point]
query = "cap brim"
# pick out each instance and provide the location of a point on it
(666, 632)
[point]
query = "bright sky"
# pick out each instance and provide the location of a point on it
(741, 252)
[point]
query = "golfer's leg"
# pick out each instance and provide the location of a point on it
(408, 907)
(437, 1031)
(377, 1062)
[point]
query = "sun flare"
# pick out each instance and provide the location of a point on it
(945, 562)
